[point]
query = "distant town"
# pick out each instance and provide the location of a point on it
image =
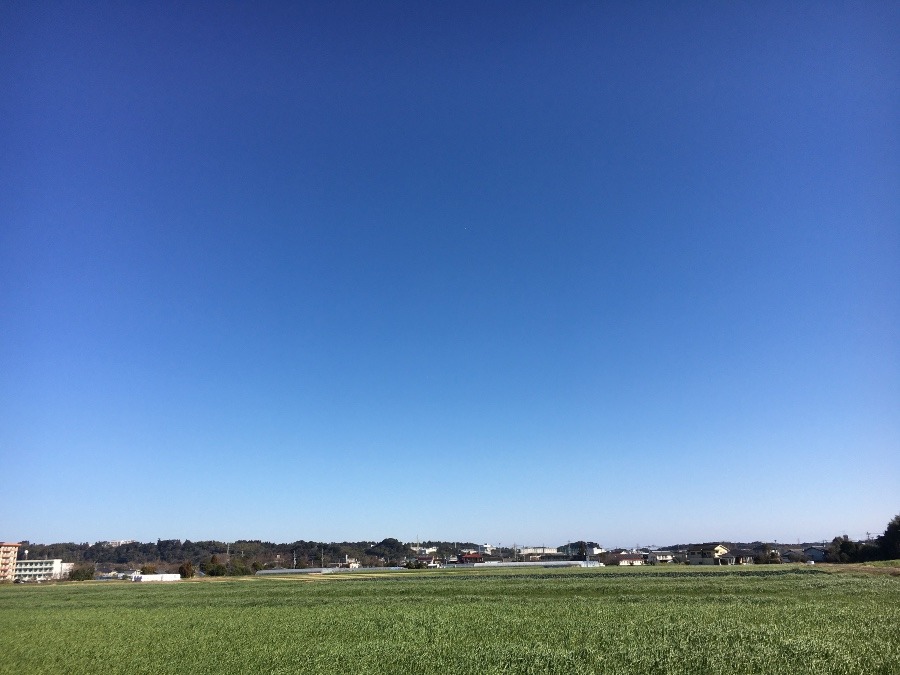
(172, 559)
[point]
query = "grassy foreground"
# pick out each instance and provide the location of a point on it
(515, 621)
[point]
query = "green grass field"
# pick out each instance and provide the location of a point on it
(674, 620)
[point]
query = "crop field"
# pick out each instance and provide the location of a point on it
(685, 620)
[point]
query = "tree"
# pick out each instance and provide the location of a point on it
(214, 568)
(82, 573)
(766, 555)
(843, 550)
(237, 568)
(389, 549)
(186, 569)
(889, 542)
(580, 550)
(148, 569)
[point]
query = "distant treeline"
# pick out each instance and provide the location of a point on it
(845, 550)
(246, 552)
(246, 555)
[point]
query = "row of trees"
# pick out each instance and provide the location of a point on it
(138, 553)
(217, 558)
(167, 552)
(885, 547)
(237, 557)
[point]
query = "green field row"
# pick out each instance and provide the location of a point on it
(794, 620)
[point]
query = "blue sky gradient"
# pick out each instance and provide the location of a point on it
(507, 272)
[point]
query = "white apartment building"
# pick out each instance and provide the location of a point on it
(42, 570)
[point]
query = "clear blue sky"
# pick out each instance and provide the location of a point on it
(498, 272)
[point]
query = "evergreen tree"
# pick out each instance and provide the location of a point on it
(889, 542)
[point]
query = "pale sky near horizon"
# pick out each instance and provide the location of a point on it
(501, 272)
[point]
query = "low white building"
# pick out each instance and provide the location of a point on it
(156, 577)
(537, 550)
(348, 564)
(42, 570)
(484, 549)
